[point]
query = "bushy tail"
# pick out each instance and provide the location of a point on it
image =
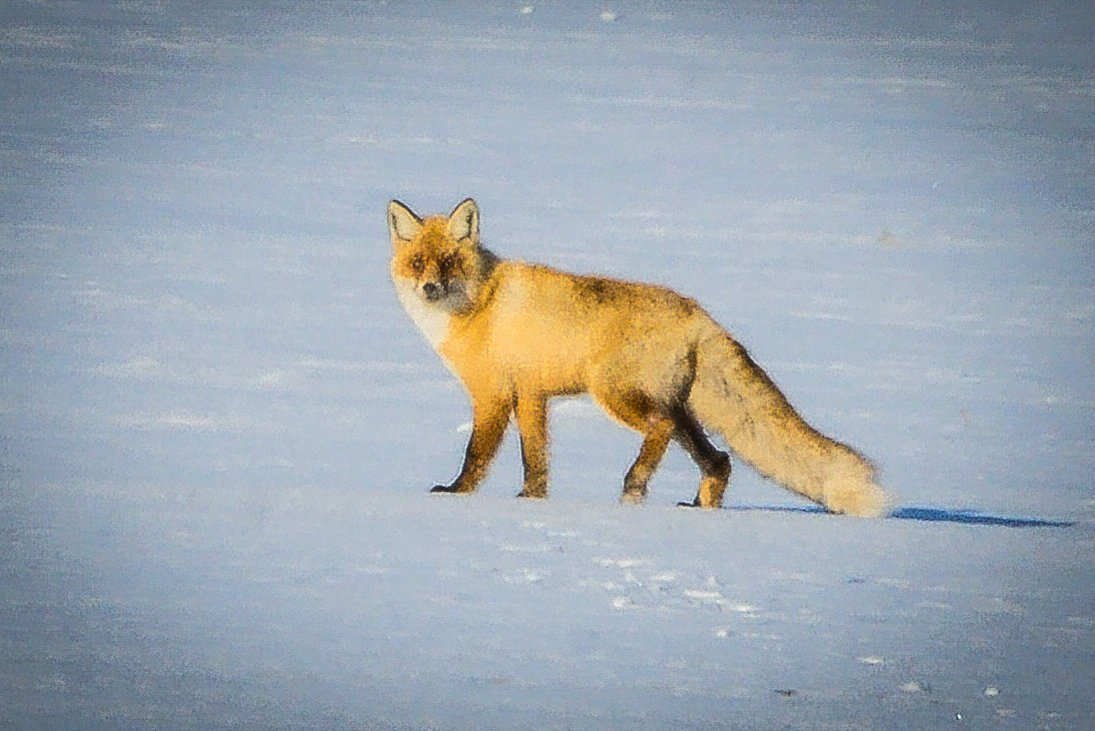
(734, 397)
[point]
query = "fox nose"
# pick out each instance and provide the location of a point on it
(432, 290)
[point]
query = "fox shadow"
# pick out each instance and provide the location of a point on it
(930, 515)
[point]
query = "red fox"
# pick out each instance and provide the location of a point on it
(516, 334)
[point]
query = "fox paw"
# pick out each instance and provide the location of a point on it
(697, 504)
(447, 490)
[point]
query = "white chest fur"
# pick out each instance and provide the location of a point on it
(432, 321)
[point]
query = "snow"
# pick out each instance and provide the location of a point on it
(217, 426)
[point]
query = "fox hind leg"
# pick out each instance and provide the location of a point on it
(655, 442)
(714, 464)
(634, 408)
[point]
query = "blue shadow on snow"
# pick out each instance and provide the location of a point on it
(972, 517)
(931, 515)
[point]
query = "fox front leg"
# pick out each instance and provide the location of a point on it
(531, 413)
(488, 427)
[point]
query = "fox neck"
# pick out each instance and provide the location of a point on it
(431, 320)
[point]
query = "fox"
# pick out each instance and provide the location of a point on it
(517, 334)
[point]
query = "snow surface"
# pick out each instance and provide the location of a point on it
(218, 427)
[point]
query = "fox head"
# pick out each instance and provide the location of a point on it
(437, 260)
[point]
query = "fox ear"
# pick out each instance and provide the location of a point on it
(403, 224)
(464, 222)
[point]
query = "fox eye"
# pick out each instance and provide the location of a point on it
(448, 261)
(418, 264)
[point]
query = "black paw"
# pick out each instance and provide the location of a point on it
(445, 489)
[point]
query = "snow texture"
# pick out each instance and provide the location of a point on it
(217, 427)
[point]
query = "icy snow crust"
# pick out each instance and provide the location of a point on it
(218, 427)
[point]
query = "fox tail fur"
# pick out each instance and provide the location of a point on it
(732, 396)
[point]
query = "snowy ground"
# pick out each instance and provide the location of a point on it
(217, 428)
